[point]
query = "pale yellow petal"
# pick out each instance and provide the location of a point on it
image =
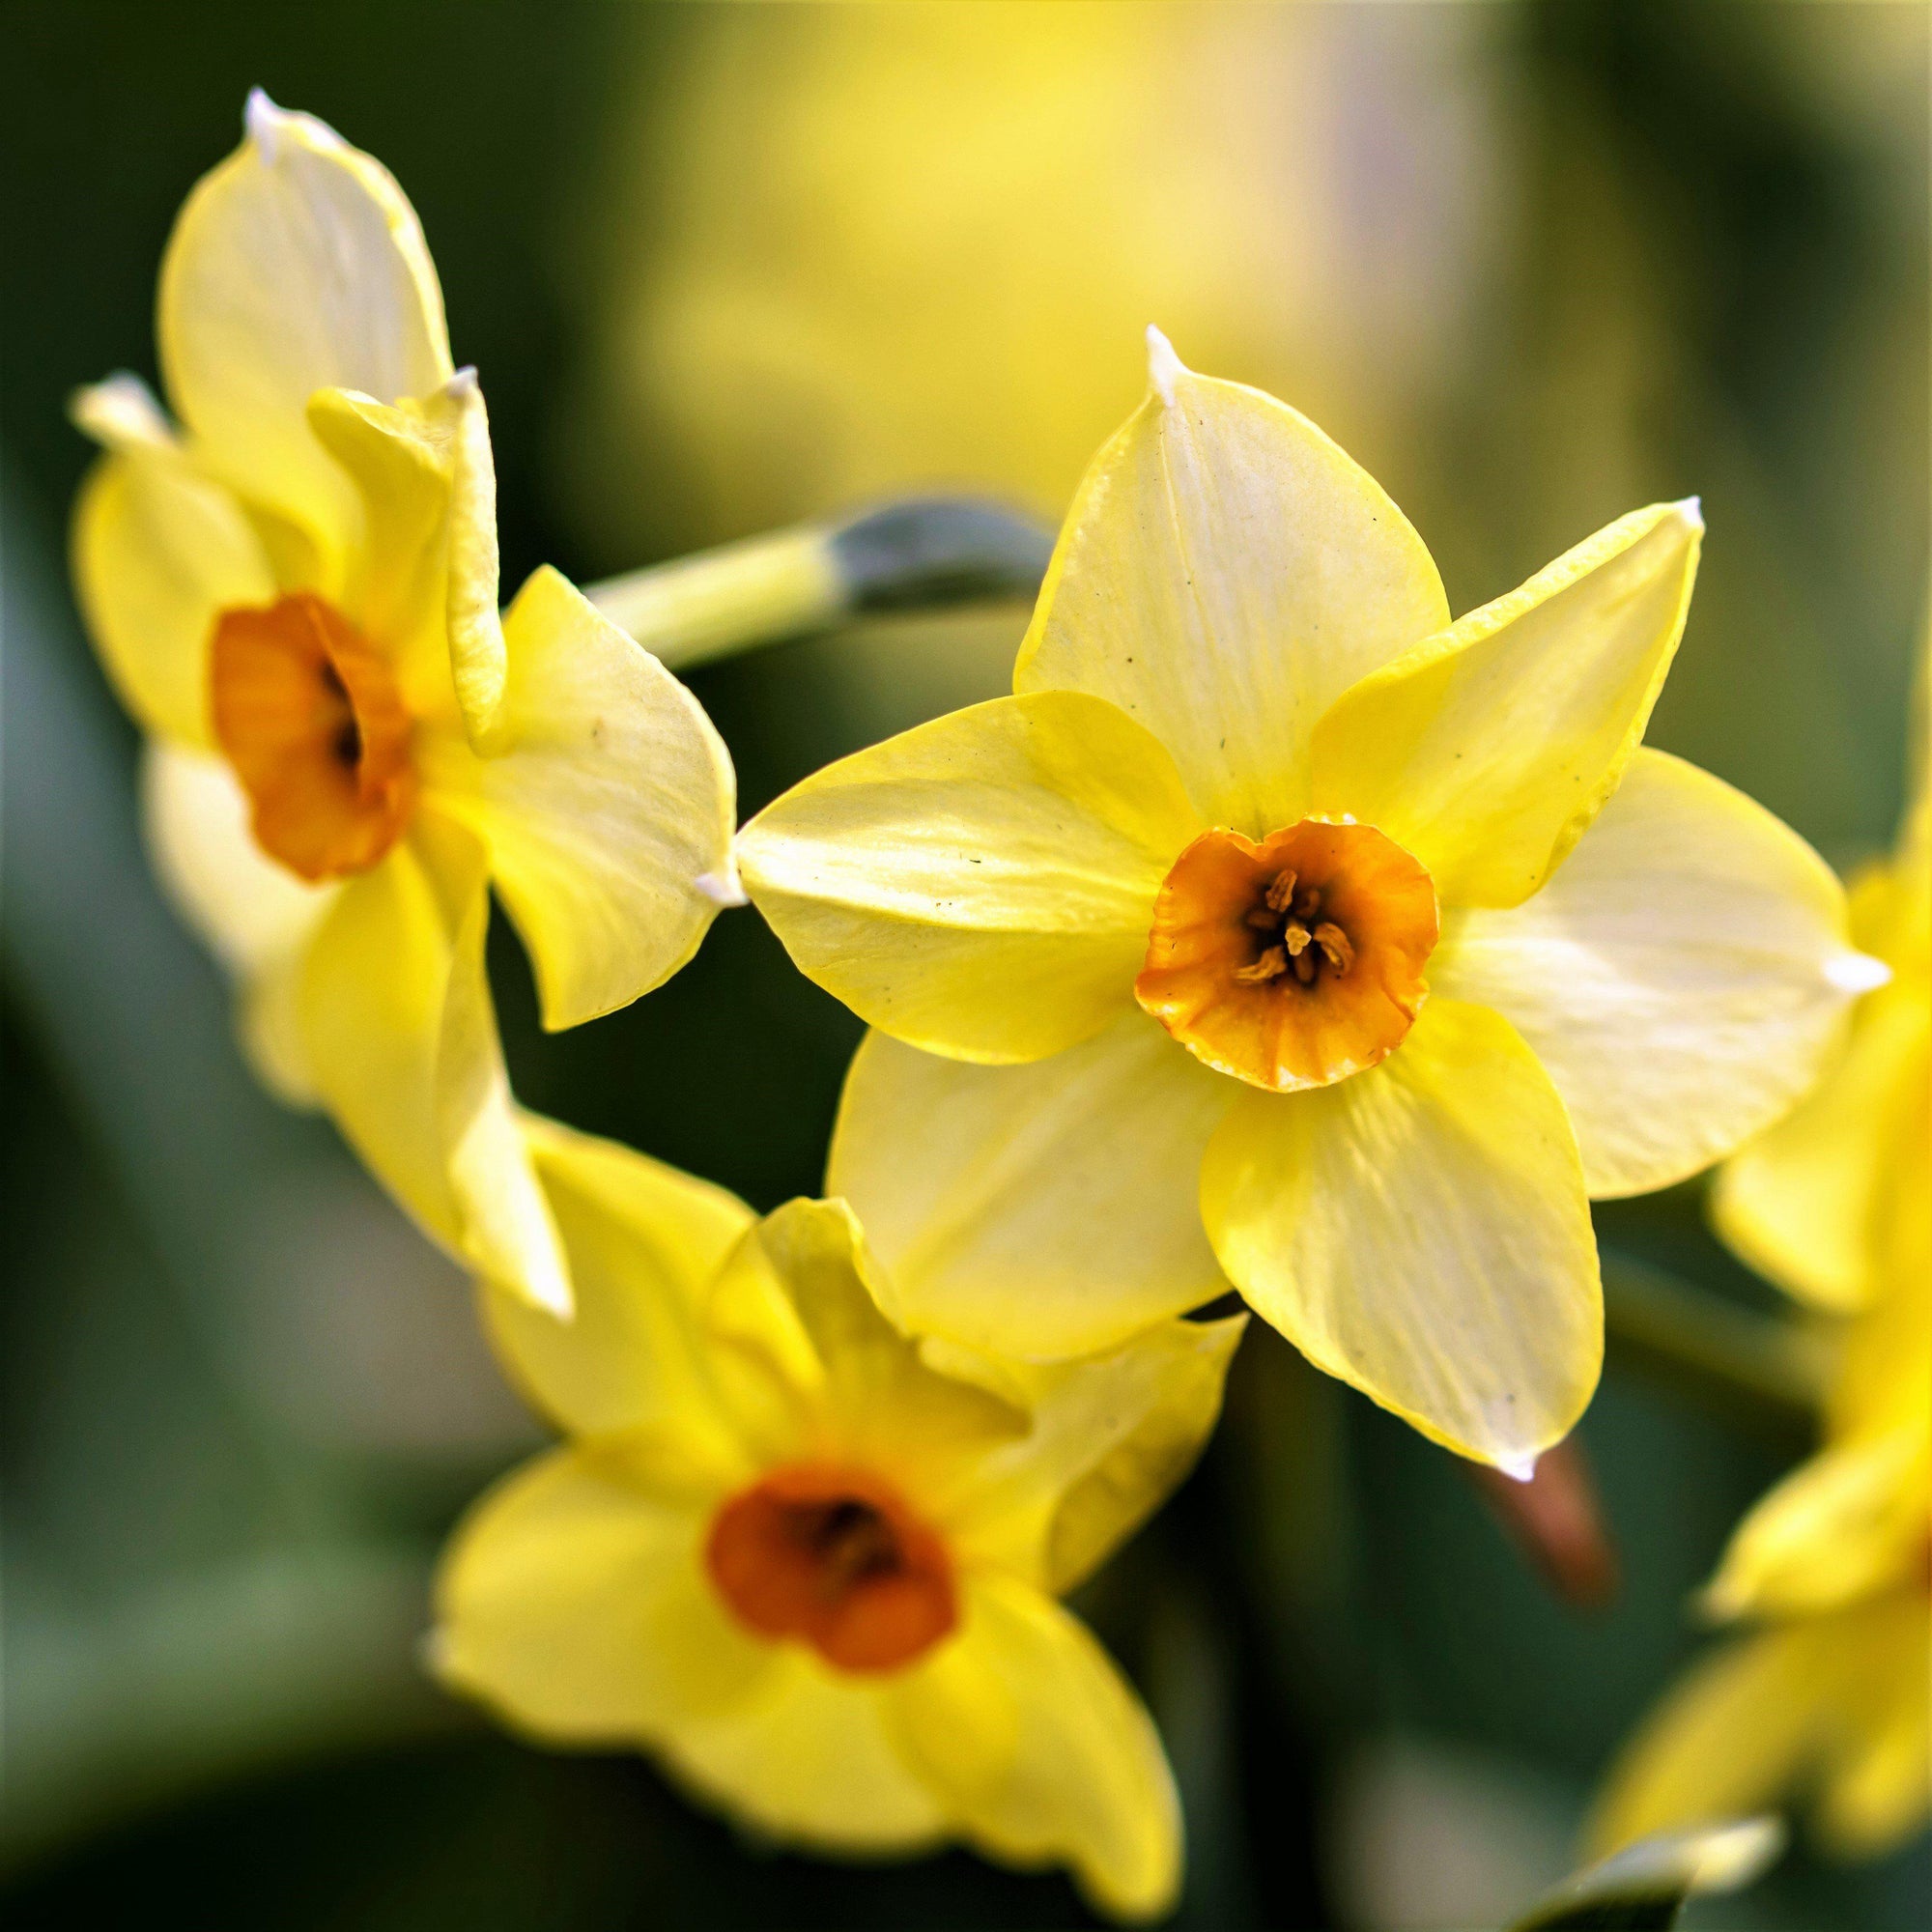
(1111, 1437)
(983, 886)
(1877, 1789)
(606, 811)
(1223, 575)
(294, 265)
(1486, 750)
(1043, 1753)
(1803, 1202)
(1847, 1523)
(1044, 1210)
(401, 1040)
(809, 1363)
(399, 456)
(812, 1761)
(1683, 977)
(253, 914)
(159, 551)
(1732, 1737)
(573, 1602)
(1421, 1230)
(643, 1242)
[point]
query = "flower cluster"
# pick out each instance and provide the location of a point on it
(1277, 932)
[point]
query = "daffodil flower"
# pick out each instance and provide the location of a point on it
(810, 1561)
(1809, 1204)
(1834, 1566)
(1277, 926)
(295, 593)
(1826, 1697)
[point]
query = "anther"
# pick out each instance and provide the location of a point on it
(1334, 942)
(1270, 966)
(1281, 892)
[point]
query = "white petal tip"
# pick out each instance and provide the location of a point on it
(1857, 973)
(1163, 364)
(1692, 510)
(262, 122)
(723, 888)
(462, 383)
(1517, 1469)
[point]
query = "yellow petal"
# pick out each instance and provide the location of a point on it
(811, 1760)
(294, 265)
(1731, 1736)
(1111, 1437)
(607, 813)
(1421, 1230)
(1223, 575)
(573, 1602)
(1043, 1753)
(401, 1040)
(983, 886)
(256, 917)
(399, 457)
(1877, 1791)
(1683, 977)
(644, 1243)
(478, 656)
(1847, 1523)
(1043, 1210)
(1803, 1202)
(159, 550)
(1486, 750)
(809, 1362)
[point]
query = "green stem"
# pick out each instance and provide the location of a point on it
(1760, 1369)
(923, 553)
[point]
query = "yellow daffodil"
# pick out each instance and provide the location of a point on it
(295, 593)
(1831, 1697)
(810, 1561)
(1277, 926)
(1809, 1203)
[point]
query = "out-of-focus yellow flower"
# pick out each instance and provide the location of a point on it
(908, 244)
(1252, 785)
(295, 594)
(1831, 1699)
(810, 1561)
(1814, 1202)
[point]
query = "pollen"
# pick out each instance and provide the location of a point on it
(307, 713)
(1293, 961)
(834, 1557)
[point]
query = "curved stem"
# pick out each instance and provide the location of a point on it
(922, 553)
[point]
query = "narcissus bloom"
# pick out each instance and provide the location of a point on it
(1277, 926)
(295, 592)
(1812, 1204)
(1827, 1700)
(810, 1561)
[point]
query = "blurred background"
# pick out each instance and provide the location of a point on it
(722, 267)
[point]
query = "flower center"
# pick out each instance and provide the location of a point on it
(308, 715)
(1293, 962)
(832, 1556)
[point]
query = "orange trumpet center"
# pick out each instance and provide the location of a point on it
(832, 1556)
(308, 715)
(1293, 962)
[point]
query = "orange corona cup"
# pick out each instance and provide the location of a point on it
(1294, 961)
(834, 1557)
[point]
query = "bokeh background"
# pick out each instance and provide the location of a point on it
(726, 266)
